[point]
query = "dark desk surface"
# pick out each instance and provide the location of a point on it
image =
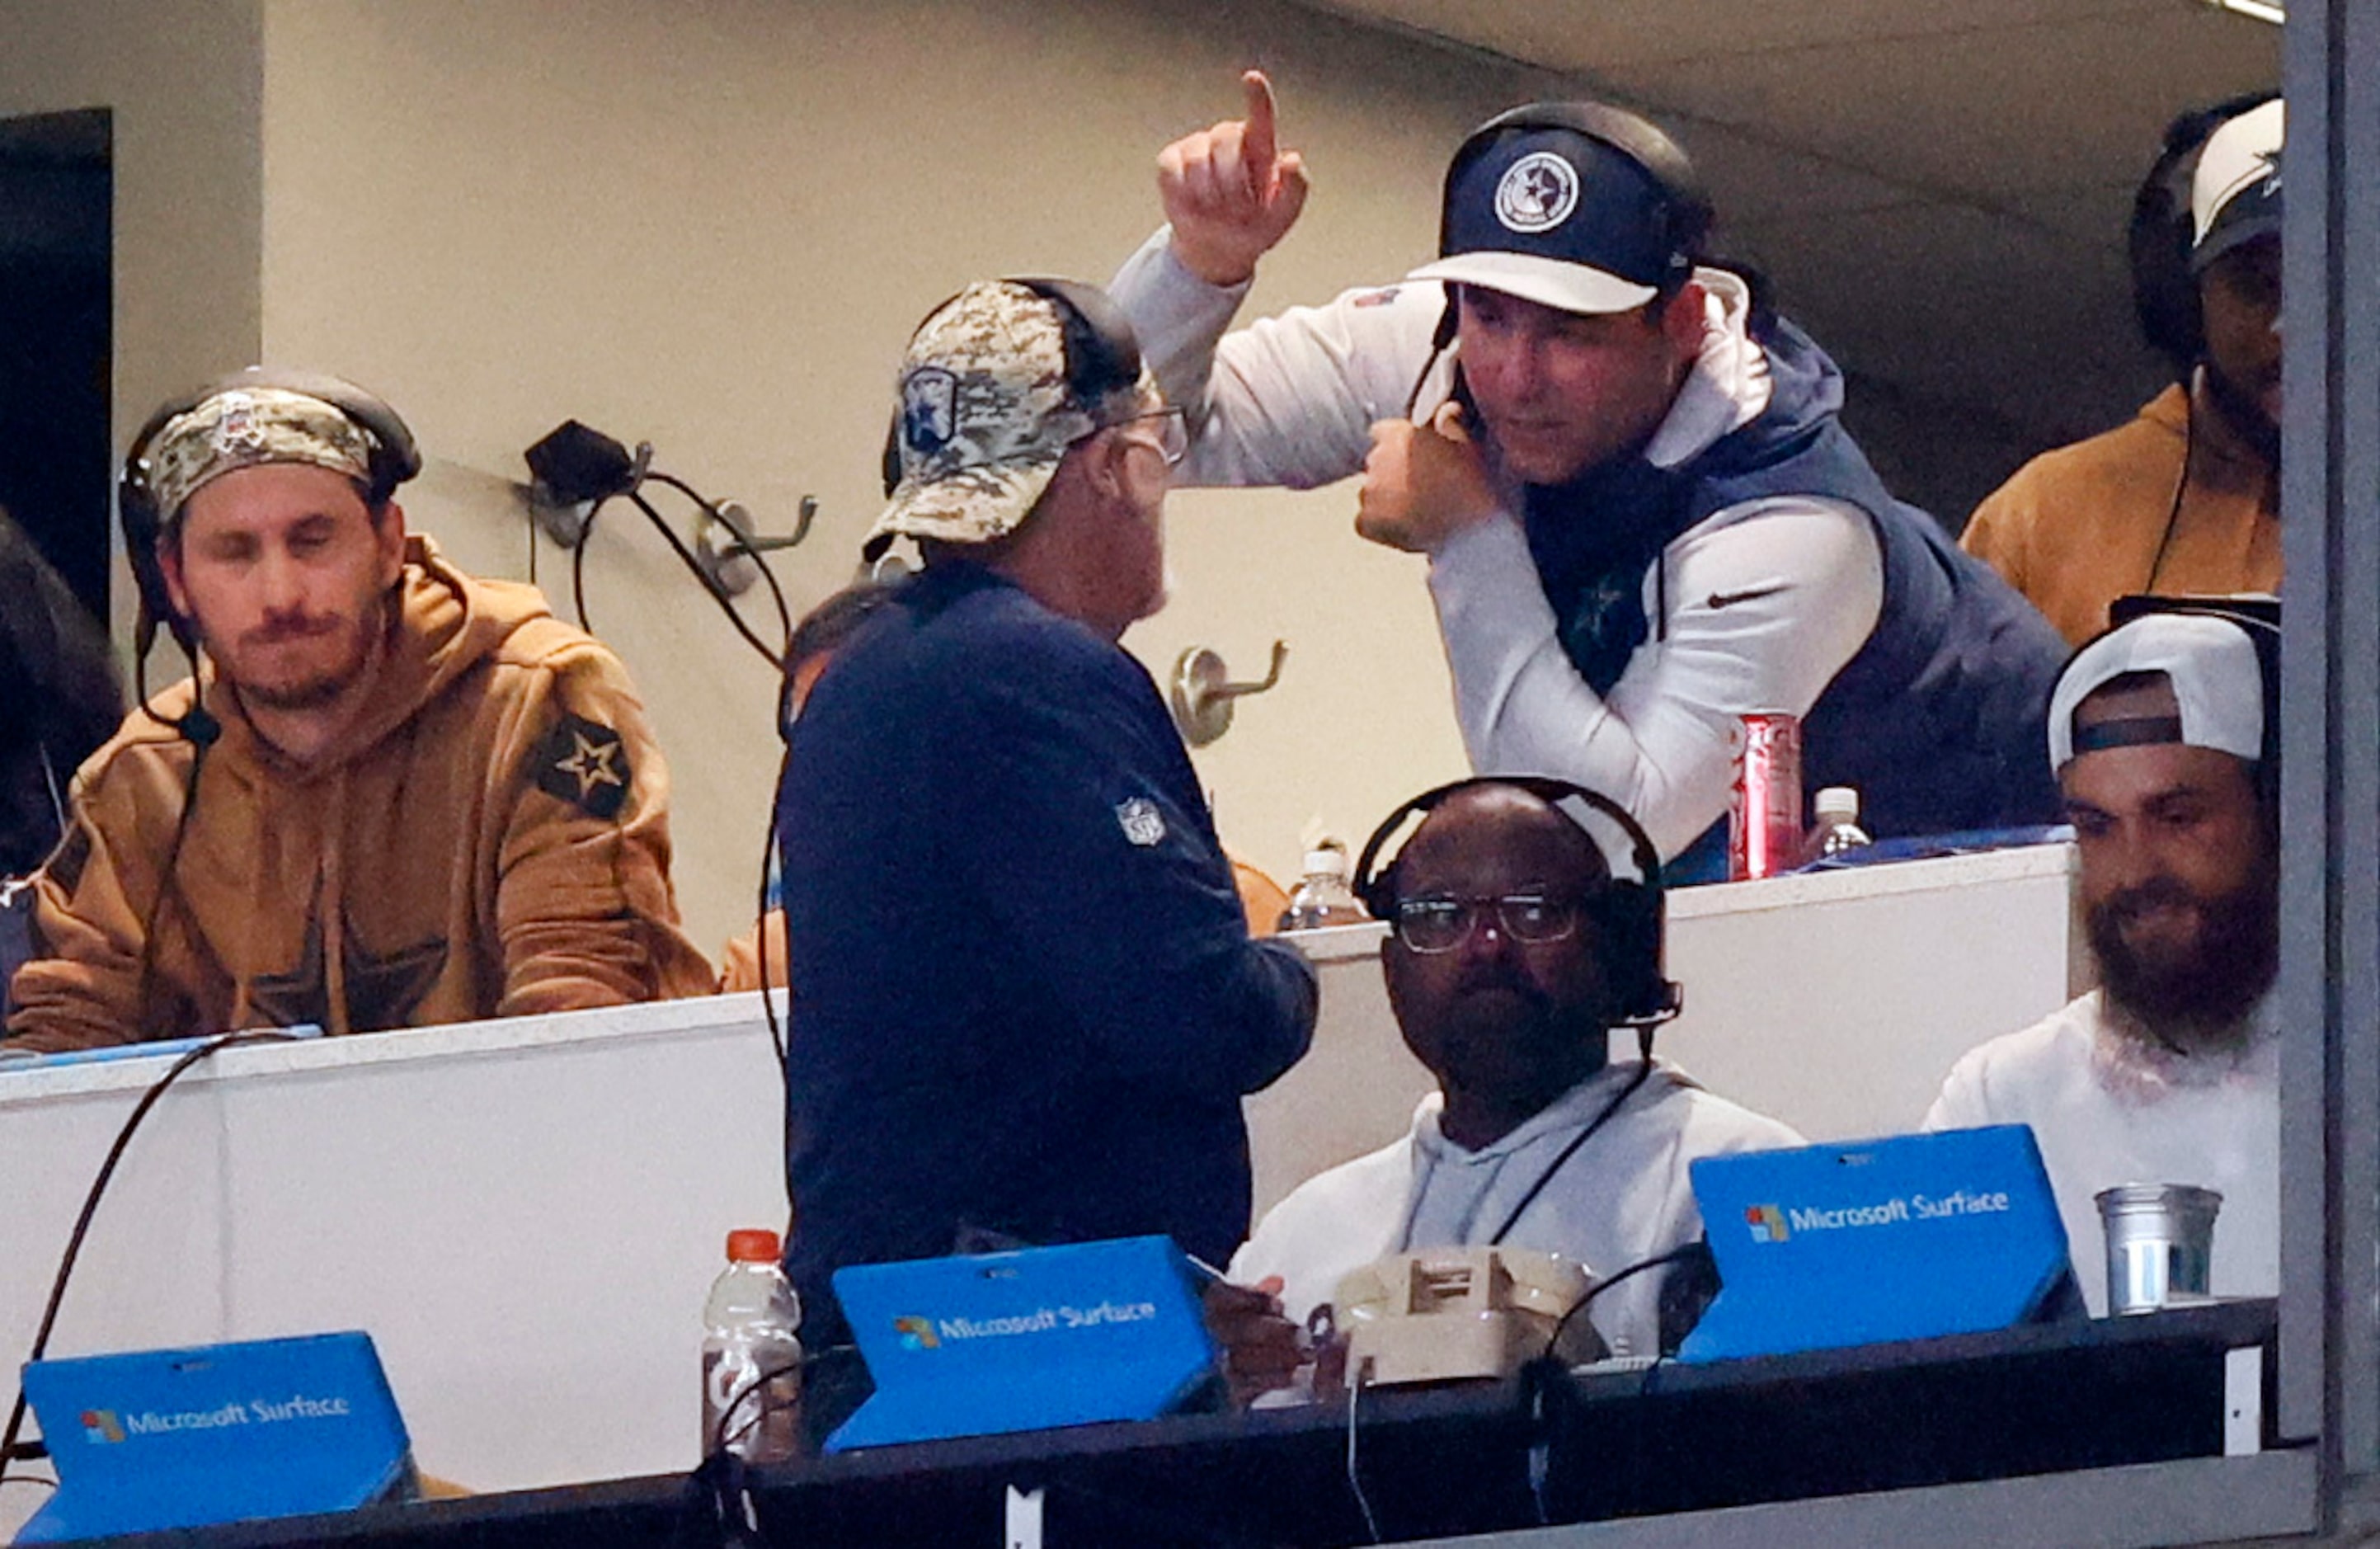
(1438, 1462)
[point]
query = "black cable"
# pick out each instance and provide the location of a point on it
(780, 1038)
(1354, 1475)
(168, 881)
(1643, 1070)
(1561, 1325)
(776, 658)
(741, 545)
(578, 563)
(719, 1480)
(2180, 483)
(720, 1437)
(91, 1205)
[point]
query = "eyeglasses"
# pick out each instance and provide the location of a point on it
(1432, 925)
(1172, 433)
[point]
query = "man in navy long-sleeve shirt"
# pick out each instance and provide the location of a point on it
(1026, 1005)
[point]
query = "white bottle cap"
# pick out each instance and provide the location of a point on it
(1326, 860)
(1837, 801)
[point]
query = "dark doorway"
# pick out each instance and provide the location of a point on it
(56, 201)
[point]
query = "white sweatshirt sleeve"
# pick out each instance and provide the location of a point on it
(1289, 400)
(1767, 603)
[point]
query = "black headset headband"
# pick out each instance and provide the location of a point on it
(395, 458)
(1687, 209)
(1102, 351)
(1629, 910)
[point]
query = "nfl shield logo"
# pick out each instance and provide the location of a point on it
(1142, 823)
(238, 432)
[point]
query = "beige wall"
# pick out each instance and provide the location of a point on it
(185, 99)
(711, 224)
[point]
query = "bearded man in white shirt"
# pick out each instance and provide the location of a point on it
(2161, 734)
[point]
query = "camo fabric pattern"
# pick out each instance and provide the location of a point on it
(243, 427)
(985, 416)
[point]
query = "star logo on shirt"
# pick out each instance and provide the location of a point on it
(584, 764)
(590, 763)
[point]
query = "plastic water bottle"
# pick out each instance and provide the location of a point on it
(751, 1354)
(1837, 827)
(1323, 896)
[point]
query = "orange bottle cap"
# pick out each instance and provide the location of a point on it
(753, 1245)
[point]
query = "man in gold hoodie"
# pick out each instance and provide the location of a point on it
(395, 795)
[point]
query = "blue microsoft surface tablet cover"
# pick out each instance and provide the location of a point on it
(1909, 1237)
(182, 1438)
(1022, 1341)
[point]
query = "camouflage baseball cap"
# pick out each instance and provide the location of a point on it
(987, 412)
(241, 427)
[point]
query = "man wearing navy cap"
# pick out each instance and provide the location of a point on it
(2161, 734)
(1642, 518)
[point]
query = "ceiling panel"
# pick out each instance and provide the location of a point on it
(1980, 116)
(1599, 37)
(1963, 307)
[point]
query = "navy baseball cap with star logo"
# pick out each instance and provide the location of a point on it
(1579, 206)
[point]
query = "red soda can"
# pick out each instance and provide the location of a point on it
(1763, 830)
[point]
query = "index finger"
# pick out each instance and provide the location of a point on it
(1260, 143)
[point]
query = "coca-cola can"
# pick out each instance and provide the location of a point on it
(1763, 830)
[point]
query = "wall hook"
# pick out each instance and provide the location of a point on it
(1203, 692)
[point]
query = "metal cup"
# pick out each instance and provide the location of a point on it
(2160, 1244)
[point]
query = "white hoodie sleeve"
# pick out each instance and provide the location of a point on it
(1289, 400)
(1766, 602)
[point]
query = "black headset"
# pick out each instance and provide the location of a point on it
(2165, 293)
(1102, 351)
(1687, 211)
(393, 459)
(1626, 911)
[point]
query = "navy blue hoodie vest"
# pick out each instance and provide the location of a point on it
(1938, 719)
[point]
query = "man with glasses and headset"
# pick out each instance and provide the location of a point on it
(1028, 1005)
(1514, 953)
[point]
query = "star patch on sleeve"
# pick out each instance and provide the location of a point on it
(584, 764)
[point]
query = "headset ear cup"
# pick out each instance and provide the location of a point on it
(1379, 895)
(2165, 297)
(1629, 917)
(891, 466)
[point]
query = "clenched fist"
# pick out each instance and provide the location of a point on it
(1423, 483)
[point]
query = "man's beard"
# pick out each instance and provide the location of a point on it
(2198, 999)
(1540, 1048)
(320, 688)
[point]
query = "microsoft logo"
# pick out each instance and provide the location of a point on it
(1768, 1223)
(101, 1425)
(917, 1334)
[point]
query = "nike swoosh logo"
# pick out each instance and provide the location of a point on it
(1728, 599)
